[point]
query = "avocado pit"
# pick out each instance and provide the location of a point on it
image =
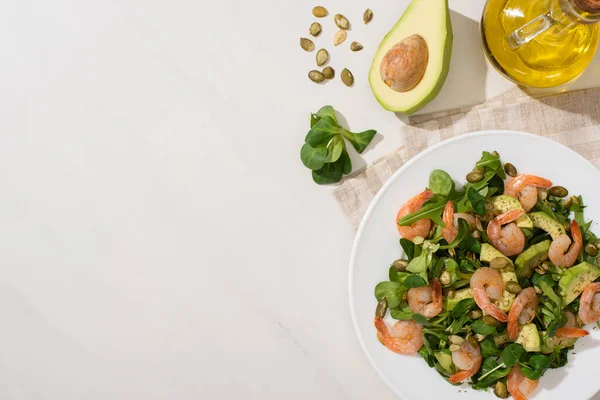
(404, 65)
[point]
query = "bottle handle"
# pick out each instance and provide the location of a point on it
(529, 31)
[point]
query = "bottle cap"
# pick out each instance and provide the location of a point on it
(591, 6)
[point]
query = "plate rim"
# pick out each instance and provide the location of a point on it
(384, 188)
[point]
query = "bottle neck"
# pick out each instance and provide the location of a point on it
(583, 11)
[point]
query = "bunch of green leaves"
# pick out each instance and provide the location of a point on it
(550, 304)
(325, 149)
(588, 236)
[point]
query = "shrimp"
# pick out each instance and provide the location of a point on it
(426, 300)
(523, 188)
(509, 240)
(487, 285)
(468, 360)
(518, 385)
(570, 330)
(419, 228)
(589, 303)
(451, 220)
(561, 244)
(405, 337)
(522, 311)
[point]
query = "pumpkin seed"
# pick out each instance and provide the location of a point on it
(540, 270)
(495, 153)
(355, 46)
(367, 16)
(339, 37)
(455, 339)
(445, 278)
(316, 76)
(473, 341)
(307, 44)
(491, 321)
(591, 250)
(558, 191)
(315, 29)
(450, 293)
(513, 287)
(542, 194)
(510, 169)
(341, 21)
(538, 290)
(475, 314)
(474, 176)
(382, 307)
(500, 390)
(320, 12)
(322, 57)
(454, 347)
(400, 264)
(476, 235)
(347, 77)
(479, 337)
(499, 263)
(328, 72)
(545, 265)
(478, 224)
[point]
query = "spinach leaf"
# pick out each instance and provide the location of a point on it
(418, 318)
(471, 244)
(462, 307)
(330, 173)
(392, 291)
(440, 182)
(323, 131)
(458, 324)
(323, 112)
(511, 354)
(313, 157)
(414, 281)
(482, 328)
(489, 348)
(346, 162)
(535, 366)
(401, 314)
(559, 357)
(334, 149)
(491, 372)
(360, 141)
(409, 248)
(477, 201)
(432, 210)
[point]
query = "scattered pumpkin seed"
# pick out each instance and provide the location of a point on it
(540, 270)
(347, 77)
(499, 263)
(546, 265)
(491, 321)
(591, 250)
(476, 235)
(400, 264)
(558, 191)
(455, 339)
(478, 224)
(542, 194)
(322, 57)
(307, 44)
(454, 347)
(368, 16)
(445, 278)
(473, 341)
(328, 72)
(341, 21)
(495, 153)
(450, 293)
(316, 76)
(382, 307)
(315, 29)
(513, 287)
(339, 37)
(479, 337)
(510, 169)
(474, 176)
(475, 314)
(320, 12)
(500, 390)
(355, 46)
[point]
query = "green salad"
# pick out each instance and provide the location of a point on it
(498, 278)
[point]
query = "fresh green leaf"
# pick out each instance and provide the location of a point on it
(414, 281)
(360, 141)
(559, 357)
(482, 328)
(463, 231)
(330, 173)
(471, 244)
(535, 367)
(440, 182)
(323, 131)
(392, 291)
(408, 247)
(512, 354)
(477, 201)
(401, 314)
(335, 149)
(418, 318)
(489, 348)
(346, 162)
(491, 372)
(543, 206)
(432, 210)
(313, 157)
(463, 307)
(324, 111)
(490, 161)
(487, 177)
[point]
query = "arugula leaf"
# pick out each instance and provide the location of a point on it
(433, 211)
(313, 157)
(392, 291)
(477, 201)
(463, 307)
(535, 367)
(440, 182)
(414, 281)
(511, 354)
(360, 141)
(543, 206)
(329, 173)
(488, 160)
(482, 328)
(463, 231)
(323, 131)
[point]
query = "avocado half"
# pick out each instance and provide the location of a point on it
(429, 19)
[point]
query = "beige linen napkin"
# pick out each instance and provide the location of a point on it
(572, 119)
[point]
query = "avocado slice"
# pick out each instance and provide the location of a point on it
(458, 296)
(529, 338)
(528, 260)
(502, 338)
(488, 253)
(547, 223)
(575, 279)
(426, 26)
(444, 357)
(501, 204)
(548, 344)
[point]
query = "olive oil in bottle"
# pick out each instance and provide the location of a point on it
(540, 43)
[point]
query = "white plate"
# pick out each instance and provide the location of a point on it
(376, 246)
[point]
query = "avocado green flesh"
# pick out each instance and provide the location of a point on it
(445, 360)
(458, 296)
(548, 344)
(501, 204)
(575, 279)
(488, 253)
(529, 338)
(528, 260)
(429, 19)
(547, 223)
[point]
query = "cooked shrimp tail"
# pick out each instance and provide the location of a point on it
(419, 228)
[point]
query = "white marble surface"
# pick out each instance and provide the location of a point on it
(160, 237)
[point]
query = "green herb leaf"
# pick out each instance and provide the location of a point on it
(346, 162)
(477, 201)
(409, 248)
(313, 157)
(329, 173)
(535, 367)
(462, 307)
(490, 161)
(401, 315)
(482, 328)
(463, 231)
(360, 141)
(392, 291)
(323, 131)
(334, 149)
(323, 112)
(559, 357)
(489, 348)
(491, 372)
(512, 354)
(432, 210)
(440, 182)
(418, 318)
(414, 281)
